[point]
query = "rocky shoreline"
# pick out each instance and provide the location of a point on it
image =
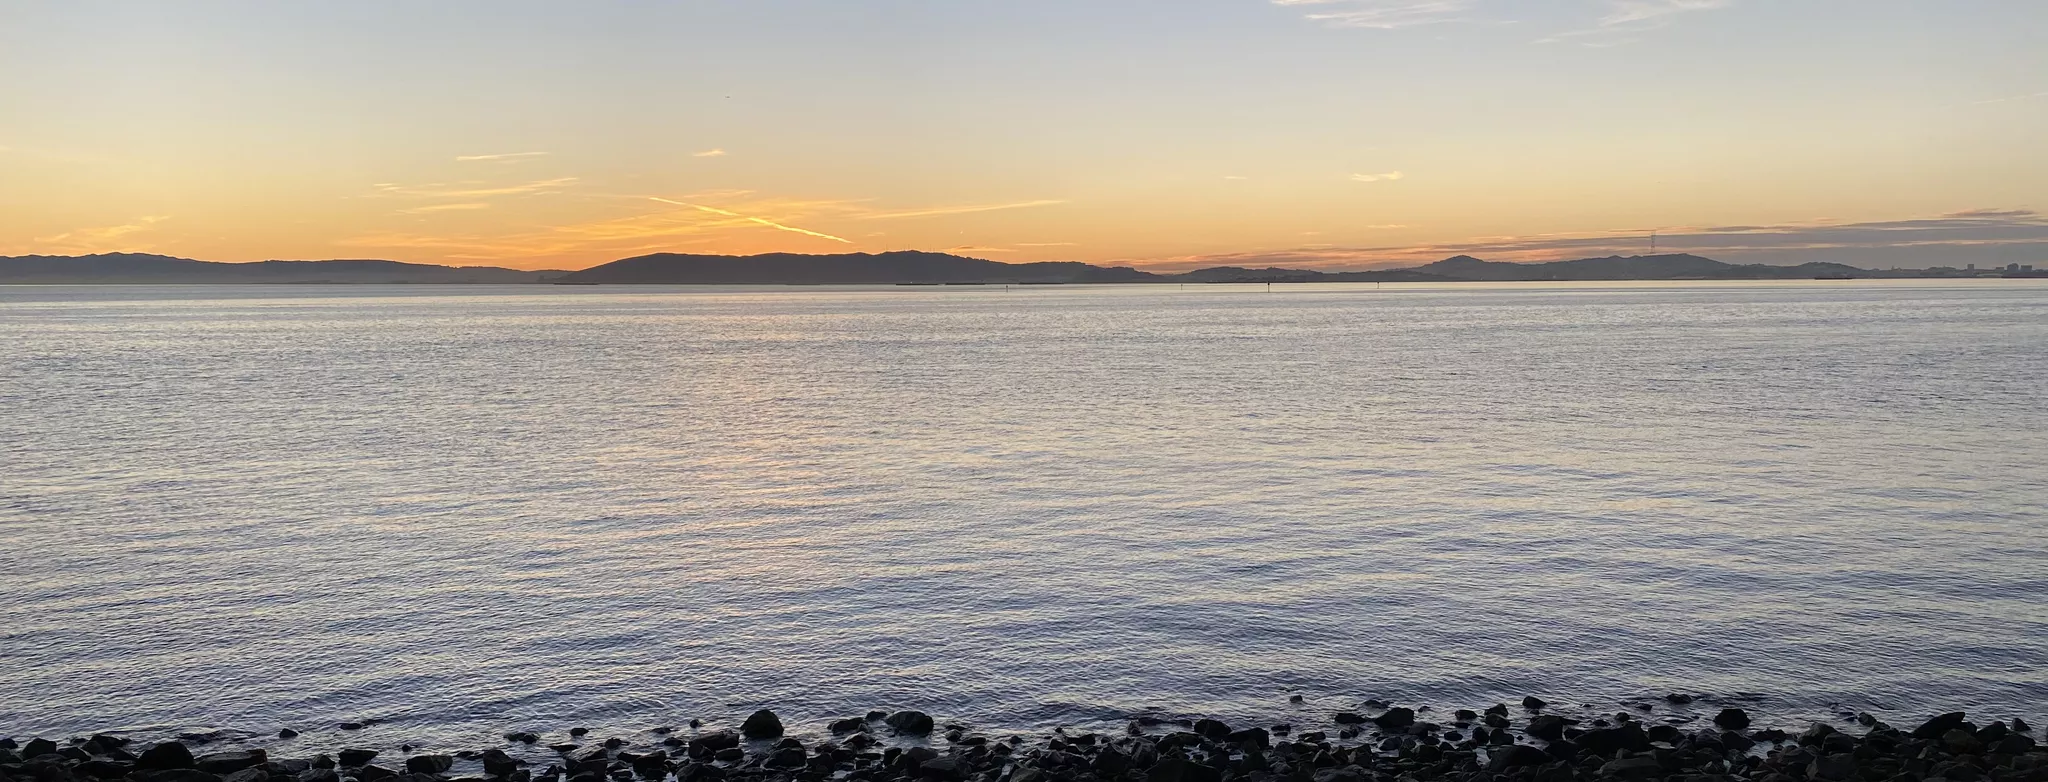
(1383, 743)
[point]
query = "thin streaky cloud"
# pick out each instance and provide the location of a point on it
(1625, 18)
(99, 239)
(501, 156)
(759, 221)
(1048, 244)
(2010, 98)
(459, 191)
(709, 153)
(444, 208)
(1390, 176)
(1383, 14)
(955, 210)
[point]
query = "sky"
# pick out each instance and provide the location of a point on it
(1164, 134)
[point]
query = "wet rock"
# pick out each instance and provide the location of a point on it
(729, 755)
(760, 725)
(1465, 715)
(2021, 725)
(1664, 733)
(1395, 718)
(167, 755)
(429, 764)
(497, 763)
(374, 773)
(318, 775)
(848, 725)
(1636, 767)
(1546, 727)
(1295, 699)
(1962, 742)
(1678, 698)
(38, 747)
(910, 723)
(177, 775)
(350, 726)
(1832, 768)
(287, 733)
(1178, 769)
(1937, 727)
(1513, 756)
(1213, 730)
(528, 738)
(103, 769)
(1254, 737)
(579, 732)
(2015, 744)
(715, 741)
(1732, 719)
(251, 774)
(1608, 741)
(224, 763)
(1533, 703)
(1348, 718)
(351, 758)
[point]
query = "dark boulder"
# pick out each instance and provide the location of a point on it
(1608, 741)
(287, 733)
(1533, 703)
(848, 725)
(176, 775)
(760, 725)
(1547, 727)
(429, 764)
(250, 774)
(1664, 733)
(2021, 725)
(103, 769)
(497, 763)
(1678, 698)
(1634, 767)
(168, 755)
(1255, 737)
(1397, 718)
(1937, 727)
(715, 741)
(1732, 719)
(910, 723)
(318, 775)
(225, 763)
(351, 758)
(1513, 756)
(374, 773)
(1179, 769)
(1348, 718)
(38, 747)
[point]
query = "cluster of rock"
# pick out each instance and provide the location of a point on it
(1394, 745)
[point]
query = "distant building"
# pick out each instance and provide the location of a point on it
(2013, 267)
(1970, 268)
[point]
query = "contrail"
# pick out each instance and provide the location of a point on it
(771, 224)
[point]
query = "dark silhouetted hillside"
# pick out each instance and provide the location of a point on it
(145, 268)
(847, 269)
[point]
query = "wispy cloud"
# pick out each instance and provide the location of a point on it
(757, 220)
(500, 156)
(2010, 98)
(473, 189)
(1390, 176)
(111, 238)
(420, 210)
(709, 153)
(1982, 236)
(954, 210)
(1382, 14)
(1047, 244)
(1626, 18)
(972, 248)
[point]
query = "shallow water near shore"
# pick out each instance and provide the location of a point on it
(467, 510)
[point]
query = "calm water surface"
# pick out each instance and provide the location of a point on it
(470, 510)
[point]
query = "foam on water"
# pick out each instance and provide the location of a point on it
(470, 510)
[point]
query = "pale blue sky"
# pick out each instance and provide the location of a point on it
(1348, 132)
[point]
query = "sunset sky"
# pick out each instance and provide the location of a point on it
(1159, 133)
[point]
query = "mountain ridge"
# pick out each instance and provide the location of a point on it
(897, 267)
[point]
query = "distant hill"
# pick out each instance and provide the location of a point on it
(847, 269)
(145, 268)
(906, 267)
(1627, 267)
